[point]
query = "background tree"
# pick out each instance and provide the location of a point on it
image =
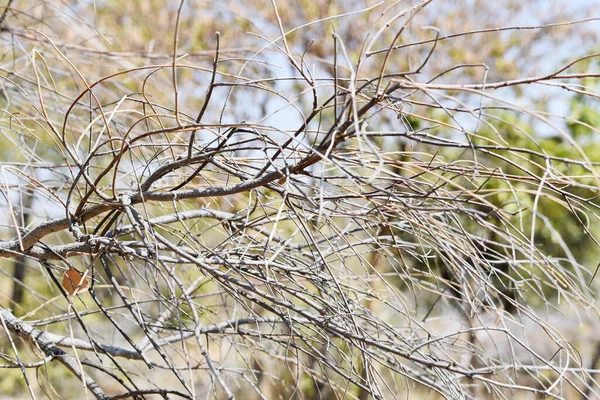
(310, 200)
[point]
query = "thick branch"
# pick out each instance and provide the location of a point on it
(24, 329)
(10, 249)
(48, 344)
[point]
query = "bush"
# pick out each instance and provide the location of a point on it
(348, 201)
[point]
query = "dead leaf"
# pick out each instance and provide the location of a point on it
(73, 281)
